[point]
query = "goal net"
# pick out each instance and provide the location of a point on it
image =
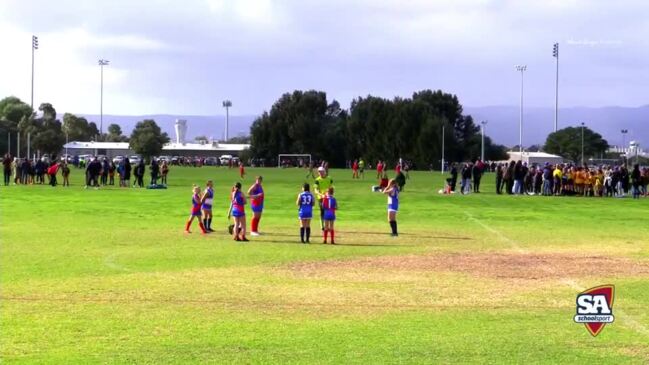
(293, 160)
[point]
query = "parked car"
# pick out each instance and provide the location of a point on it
(134, 159)
(66, 158)
(164, 158)
(211, 161)
(118, 159)
(175, 160)
(225, 159)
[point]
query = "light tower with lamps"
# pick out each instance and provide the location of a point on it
(484, 124)
(227, 104)
(555, 54)
(521, 69)
(102, 63)
(624, 132)
(582, 142)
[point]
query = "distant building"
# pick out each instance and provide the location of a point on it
(112, 149)
(535, 157)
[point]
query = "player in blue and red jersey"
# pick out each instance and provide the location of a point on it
(207, 200)
(305, 202)
(329, 205)
(196, 210)
(238, 212)
(392, 191)
(256, 195)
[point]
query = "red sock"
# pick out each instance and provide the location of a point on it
(326, 232)
(254, 224)
(189, 223)
(200, 224)
(332, 236)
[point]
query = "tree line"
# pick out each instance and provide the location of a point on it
(48, 134)
(373, 128)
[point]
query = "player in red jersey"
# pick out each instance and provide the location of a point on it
(196, 210)
(242, 170)
(355, 169)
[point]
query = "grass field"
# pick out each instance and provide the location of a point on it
(108, 276)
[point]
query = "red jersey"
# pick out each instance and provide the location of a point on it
(355, 166)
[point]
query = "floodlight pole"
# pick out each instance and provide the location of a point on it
(443, 142)
(34, 47)
(101, 63)
(227, 104)
(582, 143)
(484, 124)
(521, 69)
(624, 132)
(555, 53)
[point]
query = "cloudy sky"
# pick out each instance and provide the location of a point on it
(185, 57)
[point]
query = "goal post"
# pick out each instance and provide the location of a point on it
(294, 159)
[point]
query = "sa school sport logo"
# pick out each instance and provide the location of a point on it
(595, 308)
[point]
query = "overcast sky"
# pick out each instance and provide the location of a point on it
(185, 57)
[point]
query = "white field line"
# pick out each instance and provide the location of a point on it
(626, 320)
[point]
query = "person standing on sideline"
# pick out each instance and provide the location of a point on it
(379, 169)
(65, 172)
(256, 195)
(392, 191)
(155, 171)
(105, 169)
(164, 169)
(499, 179)
(127, 172)
(330, 205)
(196, 210)
(466, 179)
(140, 169)
(305, 204)
(206, 205)
(238, 213)
(636, 181)
(478, 169)
(52, 171)
(453, 176)
(361, 168)
(6, 168)
(322, 185)
(111, 173)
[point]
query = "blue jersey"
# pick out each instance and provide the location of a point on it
(238, 204)
(305, 202)
(393, 200)
(209, 199)
(329, 204)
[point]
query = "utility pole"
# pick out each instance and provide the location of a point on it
(443, 142)
(521, 69)
(484, 124)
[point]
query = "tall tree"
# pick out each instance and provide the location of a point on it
(12, 112)
(147, 139)
(567, 143)
(115, 134)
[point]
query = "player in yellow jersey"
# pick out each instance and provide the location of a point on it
(322, 184)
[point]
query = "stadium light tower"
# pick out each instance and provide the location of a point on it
(484, 124)
(34, 48)
(555, 53)
(521, 69)
(624, 132)
(227, 104)
(102, 63)
(582, 143)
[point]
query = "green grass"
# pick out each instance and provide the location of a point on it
(108, 276)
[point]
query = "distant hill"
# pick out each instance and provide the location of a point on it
(539, 122)
(197, 125)
(502, 126)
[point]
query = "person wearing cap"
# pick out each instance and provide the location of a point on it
(322, 184)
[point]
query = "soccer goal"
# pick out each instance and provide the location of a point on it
(293, 160)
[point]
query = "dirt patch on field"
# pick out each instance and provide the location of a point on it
(484, 265)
